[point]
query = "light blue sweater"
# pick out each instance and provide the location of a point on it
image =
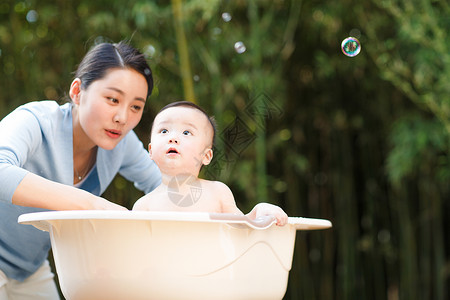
(37, 138)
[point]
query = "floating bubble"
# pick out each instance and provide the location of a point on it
(101, 39)
(355, 32)
(226, 17)
(351, 46)
(149, 51)
(32, 16)
(240, 47)
(216, 31)
(196, 78)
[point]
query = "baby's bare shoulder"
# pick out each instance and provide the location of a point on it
(147, 201)
(141, 203)
(216, 186)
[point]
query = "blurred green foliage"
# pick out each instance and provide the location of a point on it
(361, 141)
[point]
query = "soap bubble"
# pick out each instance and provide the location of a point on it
(216, 31)
(32, 16)
(101, 39)
(240, 47)
(149, 51)
(351, 46)
(226, 17)
(355, 32)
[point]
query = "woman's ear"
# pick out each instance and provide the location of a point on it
(75, 90)
(207, 157)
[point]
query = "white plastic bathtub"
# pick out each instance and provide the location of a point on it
(167, 255)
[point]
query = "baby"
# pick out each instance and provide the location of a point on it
(181, 142)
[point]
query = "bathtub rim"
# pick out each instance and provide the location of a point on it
(41, 220)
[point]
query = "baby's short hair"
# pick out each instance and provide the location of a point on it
(211, 119)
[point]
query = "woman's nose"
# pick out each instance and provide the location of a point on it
(120, 116)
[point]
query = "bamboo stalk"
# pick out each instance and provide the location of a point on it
(185, 67)
(260, 141)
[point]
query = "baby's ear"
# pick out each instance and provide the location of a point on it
(150, 150)
(207, 157)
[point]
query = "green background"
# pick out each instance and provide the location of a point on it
(362, 141)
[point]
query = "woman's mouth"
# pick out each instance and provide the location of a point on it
(114, 134)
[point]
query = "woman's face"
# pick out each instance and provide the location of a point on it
(109, 108)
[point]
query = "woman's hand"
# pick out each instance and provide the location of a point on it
(266, 209)
(99, 203)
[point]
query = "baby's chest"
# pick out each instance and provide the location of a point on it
(195, 199)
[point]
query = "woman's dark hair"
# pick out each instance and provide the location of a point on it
(105, 56)
(211, 119)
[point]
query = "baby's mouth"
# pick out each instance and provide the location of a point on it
(172, 151)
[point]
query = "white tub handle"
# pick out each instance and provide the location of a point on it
(262, 222)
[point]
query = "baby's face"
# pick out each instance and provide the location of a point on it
(181, 140)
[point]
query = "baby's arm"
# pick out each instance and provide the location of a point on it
(261, 209)
(227, 202)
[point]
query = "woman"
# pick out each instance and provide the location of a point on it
(63, 157)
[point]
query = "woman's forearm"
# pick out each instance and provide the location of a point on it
(36, 191)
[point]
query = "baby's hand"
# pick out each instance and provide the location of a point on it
(266, 209)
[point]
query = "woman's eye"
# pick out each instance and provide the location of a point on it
(136, 107)
(113, 100)
(187, 132)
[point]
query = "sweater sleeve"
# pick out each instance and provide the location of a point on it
(20, 134)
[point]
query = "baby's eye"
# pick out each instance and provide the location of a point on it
(187, 132)
(163, 131)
